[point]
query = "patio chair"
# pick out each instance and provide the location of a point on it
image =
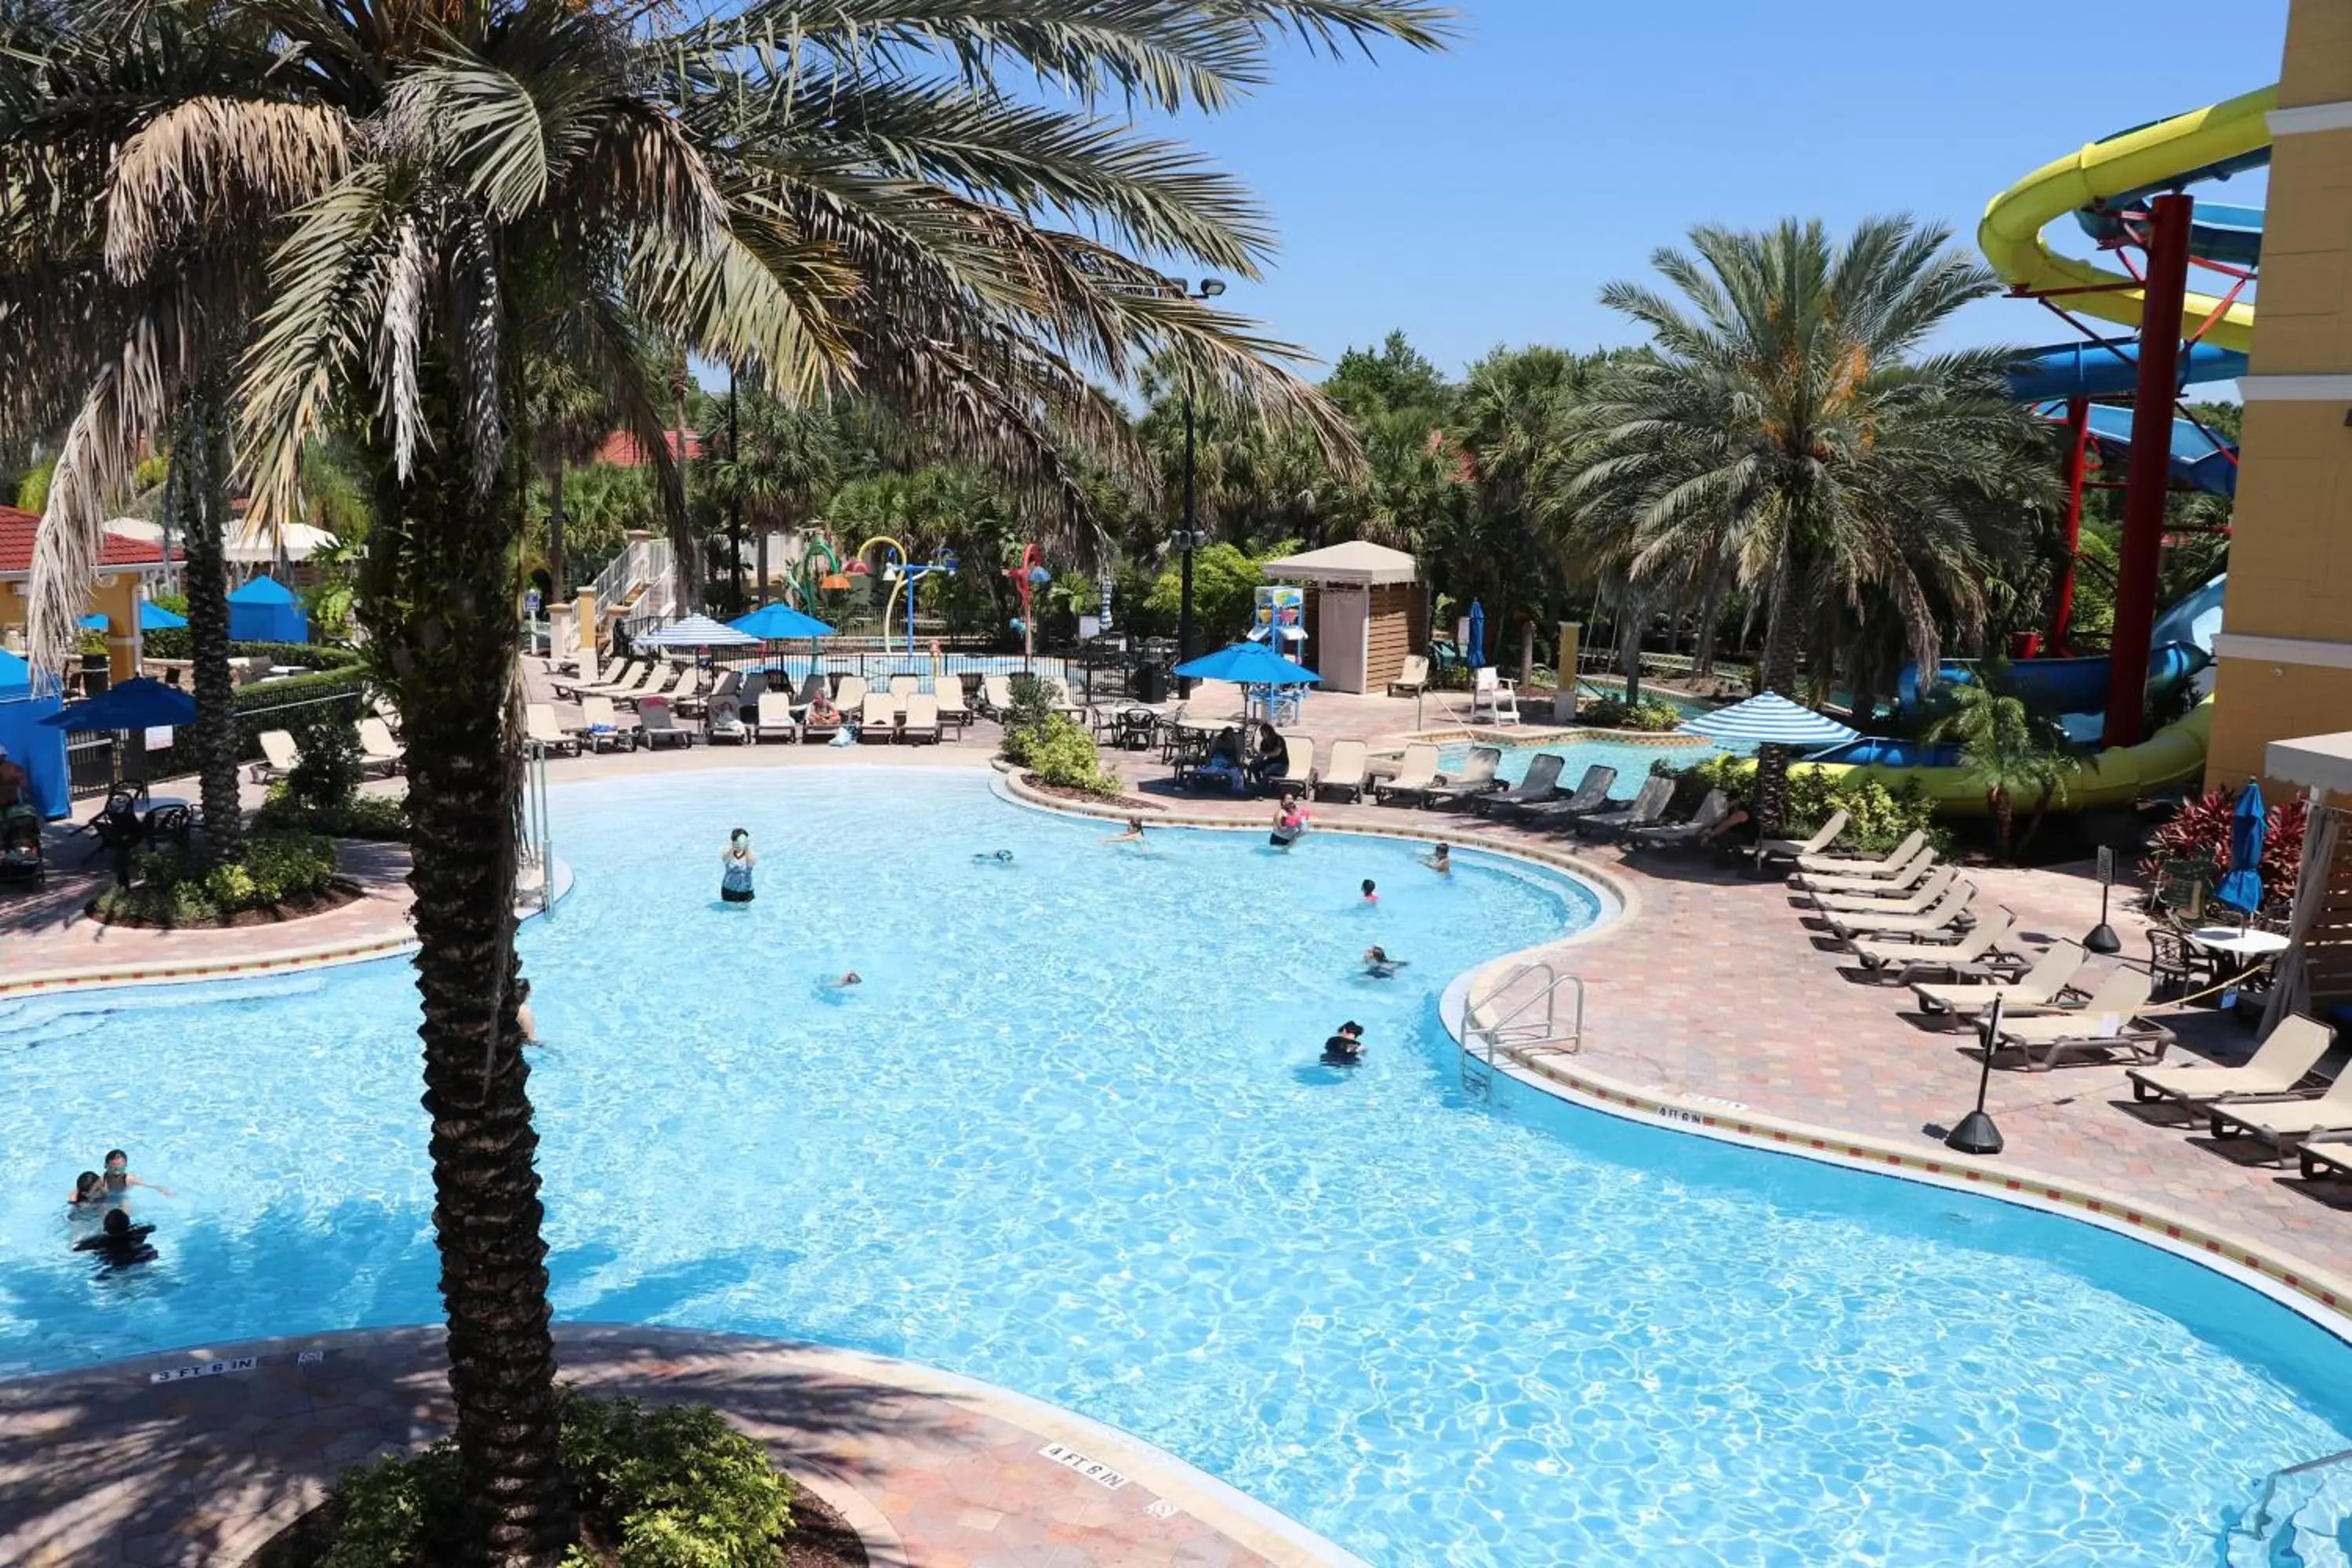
(1771, 849)
(919, 718)
(1539, 785)
(722, 722)
(1946, 912)
(2177, 964)
(659, 726)
(1416, 774)
(1298, 771)
(659, 686)
(851, 695)
(2278, 1064)
(877, 716)
(996, 695)
(1349, 766)
(1413, 679)
(1982, 949)
(539, 728)
(633, 678)
(600, 727)
(1475, 779)
(1892, 902)
(953, 709)
(686, 697)
(1711, 811)
(1909, 874)
(1494, 699)
(2107, 1022)
(2286, 1123)
(379, 753)
(2043, 986)
(1647, 808)
(774, 718)
(904, 686)
(571, 689)
(279, 756)
(1885, 864)
(2323, 1155)
(1592, 794)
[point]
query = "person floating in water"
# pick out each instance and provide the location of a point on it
(1440, 860)
(119, 1178)
(89, 1195)
(1289, 824)
(1345, 1049)
(994, 857)
(847, 980)
(1380, 965)
(735, 868)
(121, 1244)
(1133, 835)
(1371, 892)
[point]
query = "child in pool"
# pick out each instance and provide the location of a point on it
(1379, 965)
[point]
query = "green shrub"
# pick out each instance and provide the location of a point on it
(1061, 753)
(1878, 818)
(1033, 706)
(381, 817)
(672, 1488)
(278, 867)
(277, 705)
(1611, 713)
(172, 642)
(288, 865)
(327, 774)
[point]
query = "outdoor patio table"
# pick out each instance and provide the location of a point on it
(2249, 950)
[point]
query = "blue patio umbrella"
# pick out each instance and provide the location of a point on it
(779, 623)
(1770, 720)
(1248, 664)
(1474, 652)
(2241, 889)
(696, 631)
(93, 623)
(140, 703)
(154, 617)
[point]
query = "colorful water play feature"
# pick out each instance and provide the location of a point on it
(1072, 1136)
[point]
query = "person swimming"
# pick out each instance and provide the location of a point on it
(119, 1178)
(1371, 892)
(735, 868)
(845, 981)
(993, 858)
(121, 1244)
(89, 1195)
(1380, 965)
(1289, 824)
(529, 1024)
(1345, 1048)
(1133, 835)
(1440, 860)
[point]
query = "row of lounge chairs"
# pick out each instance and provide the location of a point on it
(380, 752)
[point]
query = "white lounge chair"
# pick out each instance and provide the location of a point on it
(379, 753)
(599, 728)
(1416, 774)
(1475, 779)
(659, 726)
(659, 686)
(1349, 765)
(919, 718)
(953, 709)
(850, 696)
(1492, 699)
(1799, 849)
(2278, 1064)
(1908, 873)
(2106, 1023)
(1983, 949)
(904, 686)
(996, 695)
(539, 726)
(1892, 901)
(1940, 916)
(722, 722)
(279, 756)
(1412, 680)
(1297, 765)
(1885, 864)
(877, 716)
(2040, 988)
(774, 717)
(2284, 1123)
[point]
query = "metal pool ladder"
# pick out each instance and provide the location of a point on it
(1527, 1029)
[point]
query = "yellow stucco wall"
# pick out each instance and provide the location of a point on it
(116, 597)
(2290, 556)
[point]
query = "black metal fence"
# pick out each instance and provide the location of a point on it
(98, 760)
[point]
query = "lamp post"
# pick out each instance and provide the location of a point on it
(1191, 538)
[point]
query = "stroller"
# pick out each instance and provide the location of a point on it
(20, 845)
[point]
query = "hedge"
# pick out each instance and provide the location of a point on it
(172, 642)
(254, 703)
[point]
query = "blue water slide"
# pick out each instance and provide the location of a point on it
(2046, 377)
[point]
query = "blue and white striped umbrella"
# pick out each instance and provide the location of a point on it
(1770, 720)
(696, 631)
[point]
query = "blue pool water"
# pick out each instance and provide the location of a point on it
(1070, 1137)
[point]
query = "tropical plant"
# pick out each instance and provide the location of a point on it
(2198, 833)
(1784, 419)
(2007, 748)
(1225, 581)
(823, 193)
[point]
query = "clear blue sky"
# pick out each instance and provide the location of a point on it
(1484, 195)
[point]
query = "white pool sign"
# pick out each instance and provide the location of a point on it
(1094, 1469)
(206, 1369)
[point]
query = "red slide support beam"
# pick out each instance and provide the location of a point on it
(2078, 462)
(2149, 477)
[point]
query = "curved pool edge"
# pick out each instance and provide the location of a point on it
(2318, 1294)
(924, 1464)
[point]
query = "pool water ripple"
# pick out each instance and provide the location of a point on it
(1071, 1136)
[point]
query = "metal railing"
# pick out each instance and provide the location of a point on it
(641, 580)
(535, 882)
(97, 759)
(1531, 1027)
(2274, 1530)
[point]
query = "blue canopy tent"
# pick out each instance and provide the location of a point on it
(266, 610)
(40, 751)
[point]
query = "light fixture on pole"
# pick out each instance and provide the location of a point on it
(1189, 539)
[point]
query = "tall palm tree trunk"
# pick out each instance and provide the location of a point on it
(441, 609)
(559, 584)
(1629, 648)
(199, 485)
(1779, 675)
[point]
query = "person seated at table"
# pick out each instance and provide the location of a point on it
(1224, 763)
(1273, 755)
(16, 783)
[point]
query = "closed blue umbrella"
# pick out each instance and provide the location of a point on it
(1770, 720)
(1475, 651)
(2241, 889)
(140, 703)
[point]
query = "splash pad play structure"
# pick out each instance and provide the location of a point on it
(2126, 194)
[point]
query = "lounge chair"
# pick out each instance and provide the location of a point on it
(1413, 679)
(1798, 850)
(996, 695)
(1415, 776)
(2314, 1160)
(633, 678)
(722, 723)
(904, 686)
(659, 686)
(539, 727)
(1940, 916)
(1884, 865)
(1297, 765)
(1647, 808)
(851, 696)
(1475, 779)
(919, 718)
(1914, 902)
(2286, 1123)
(774, 717)
(1982, 949)
(379, 753)
(2040, 988)
(659, 726)
(1538, 786)
(599, 728)
(628, 673)
(686, 696)
(953, 709)
(2106, 1023)
(2278, 1064)
(279, 756)
(1711, 811)
(1348, 767)
(1909, 874)
(1592, 794)
(877, 716)
(1492, 697)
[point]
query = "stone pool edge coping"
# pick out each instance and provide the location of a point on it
(2318, 1294)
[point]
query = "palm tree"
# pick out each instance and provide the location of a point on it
(566, 419)
(1785, 418)
(783, 459)
(2008, 748)
(826, 194)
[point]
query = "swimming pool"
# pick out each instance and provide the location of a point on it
(1070, 1137)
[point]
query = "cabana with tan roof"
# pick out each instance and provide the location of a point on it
(1366, 611)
